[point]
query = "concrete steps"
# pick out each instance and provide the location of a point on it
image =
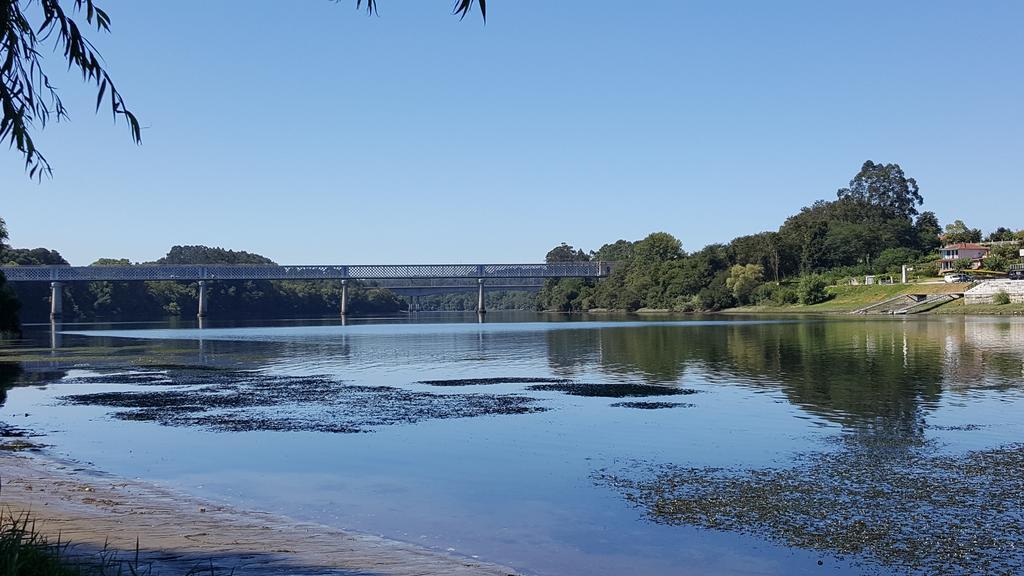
(908, 303)
(932, 301)
(890, 305)
(984, 292)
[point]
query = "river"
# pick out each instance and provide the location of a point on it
(557, 445)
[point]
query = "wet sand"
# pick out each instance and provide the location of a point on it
(178, 533)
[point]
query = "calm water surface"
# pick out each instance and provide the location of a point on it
(521, 489)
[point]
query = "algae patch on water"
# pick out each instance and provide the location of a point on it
(907, 508)
(611, 390)
(488, 381)
(243, 401)
(652, 405)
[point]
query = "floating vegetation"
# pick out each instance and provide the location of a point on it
(8, 431)
(20, 446)
(959, 428)
(120, 378)
(13, 439)
(248, 401)
(903, 507)
(612, 390)
(484, 381)
(652, 405)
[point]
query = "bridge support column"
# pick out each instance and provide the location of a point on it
(56, 340)
(56, 300)
(344, 298)
(203, 300)
(414, 303)
(480, 297)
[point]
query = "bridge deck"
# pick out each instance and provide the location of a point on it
(416, 272)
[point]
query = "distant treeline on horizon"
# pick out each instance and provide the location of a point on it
(872, 227)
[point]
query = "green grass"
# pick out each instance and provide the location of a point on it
(849, 298)
(24, 552)
(959, 307)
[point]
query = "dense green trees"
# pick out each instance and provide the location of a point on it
(1003, 256)
(1002, 234)
(812, 289)
(872, 227)
(744, 280)
(958, 232)
(652, 273)
(9, 304)
(886, 188)
(565, 253)
(228, 299)
(466, 301)
(618, 251)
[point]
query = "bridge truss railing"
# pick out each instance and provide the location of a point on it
(257, 272)
(409, 279)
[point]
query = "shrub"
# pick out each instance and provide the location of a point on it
(786, 295)
(764, 294)
(744, 281)
(812, 290)
(686, 304)
(1001, 298)
(997, 263)
(891, 260)
(928, 269)
(716, 296)
(962, 264)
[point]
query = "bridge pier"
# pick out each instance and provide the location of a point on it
(56, 300)
(414, 303)
(203, 300)
(344, 298)
(56, 339)
(480, 297)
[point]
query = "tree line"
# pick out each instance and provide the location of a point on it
(227, 298)
(873, 226)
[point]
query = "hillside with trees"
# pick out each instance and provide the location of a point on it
(228, 299)
(872, 227)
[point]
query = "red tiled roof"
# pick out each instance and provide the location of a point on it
(965, 246)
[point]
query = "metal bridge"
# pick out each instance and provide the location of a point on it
(410, 279)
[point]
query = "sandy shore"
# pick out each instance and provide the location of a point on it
(178, 533)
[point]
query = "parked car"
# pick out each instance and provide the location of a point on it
(957, 277)
(1016, 273)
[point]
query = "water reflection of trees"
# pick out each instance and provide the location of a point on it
(9, 373)
(873, 375)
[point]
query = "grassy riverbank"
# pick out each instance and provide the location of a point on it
(845, 299)
(958, 307)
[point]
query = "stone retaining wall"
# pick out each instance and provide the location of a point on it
(985, 291)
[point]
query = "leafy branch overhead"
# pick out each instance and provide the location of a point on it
(28, 98)
(461, 8)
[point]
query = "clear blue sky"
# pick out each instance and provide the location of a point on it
(311, 133)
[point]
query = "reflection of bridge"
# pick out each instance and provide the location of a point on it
(411, 279)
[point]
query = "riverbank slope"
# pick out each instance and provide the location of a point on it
(846, 299)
